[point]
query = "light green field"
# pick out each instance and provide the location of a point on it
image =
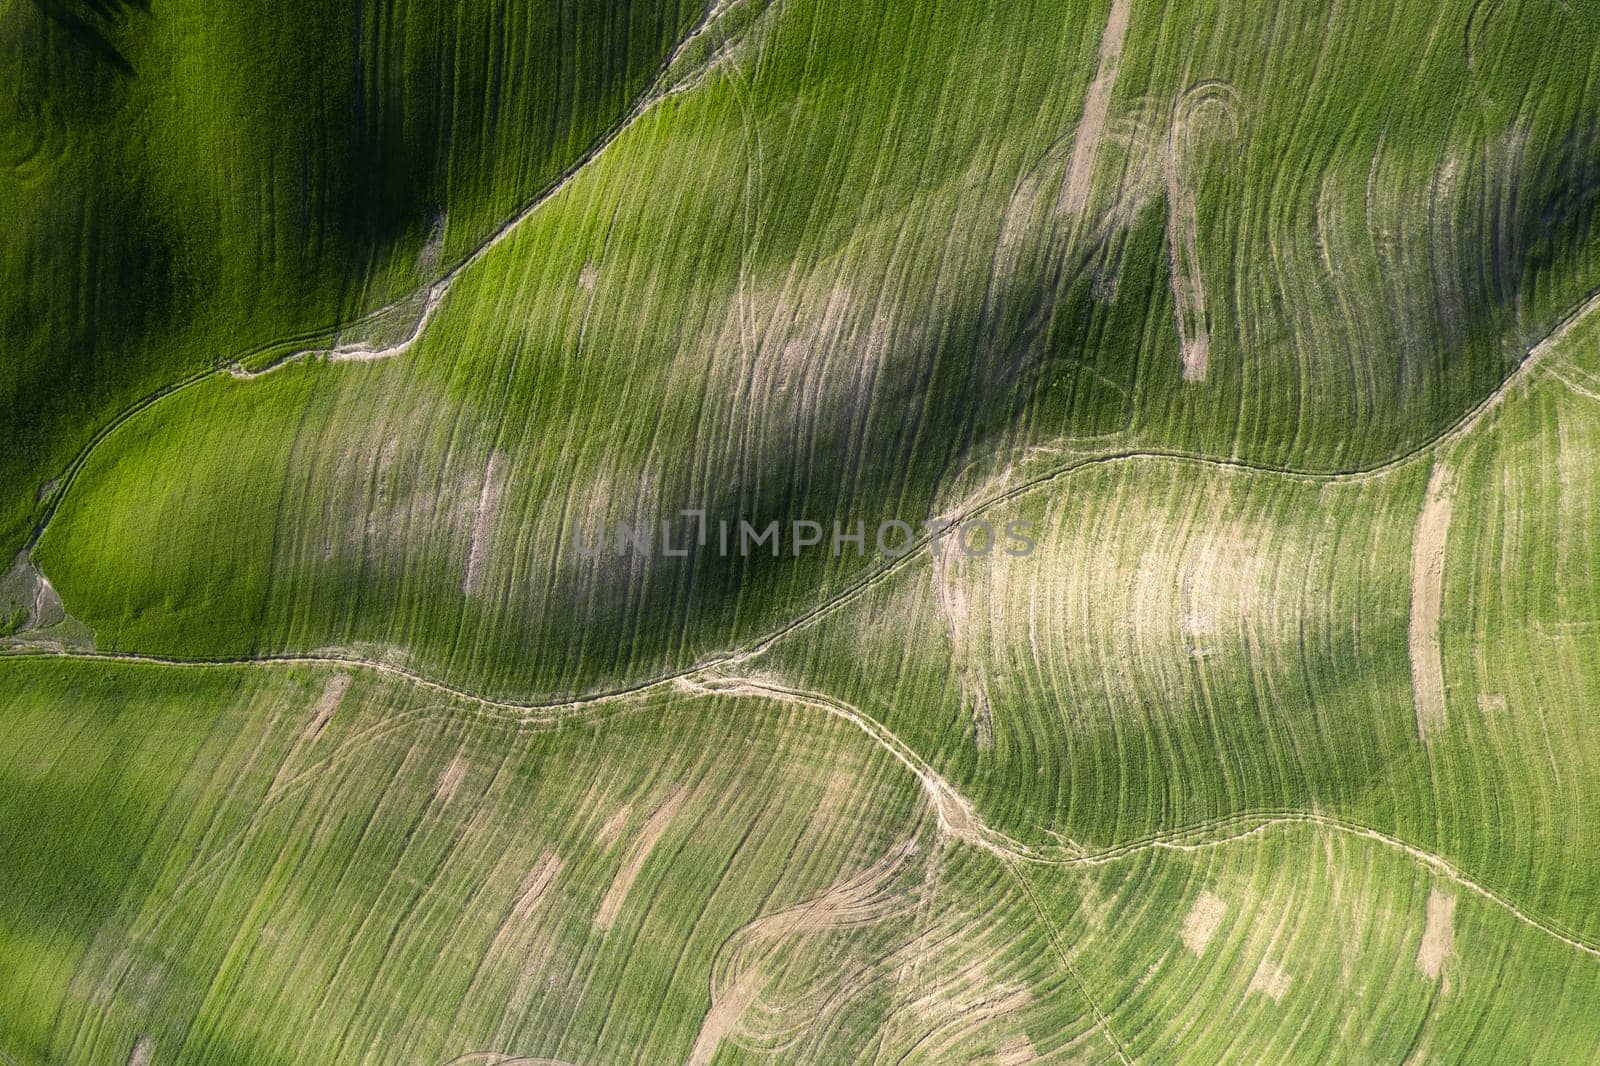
(325, 329)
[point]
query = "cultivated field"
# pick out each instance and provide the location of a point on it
(336, 337)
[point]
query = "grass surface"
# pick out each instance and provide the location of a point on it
(326, 744)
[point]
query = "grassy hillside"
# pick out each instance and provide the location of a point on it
(183, 186)
(334, 336)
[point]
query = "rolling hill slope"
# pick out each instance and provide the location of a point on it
(344, 725)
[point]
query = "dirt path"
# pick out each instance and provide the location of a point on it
(1096, 106)
(971, 829)
(537, 711)
(332, 693)
(958, 818)
(1427, 597)
(955, 813)
(723, 1018)
(1183, 245)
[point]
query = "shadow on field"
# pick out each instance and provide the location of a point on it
(904, 440)
(982, 383)
(91, 23)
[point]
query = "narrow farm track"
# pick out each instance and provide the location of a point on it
(647, 99)
(1091, 125)
(519, 712)
(1102, 1023)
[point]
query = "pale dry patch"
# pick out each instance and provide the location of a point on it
(723, 1017)
(1438, 936)
(535, 885)
(1018, 1051)
(1183, 244)
(1197, 597)
(863, 899)
(1200, 585)
(1140, 138)
(450, 778)
(1202, 922)
(955, 813)
(1270, 980)
(328, 702)
(1491, 702)
(1443, 196)
(802, 340)
(142, 1050)
(376, 468)
(1427, 596)
(588, 276)
(1096, 106)
(591, 525)
(25, 587)
(758, 953)
(432, 253)
(483, 524)
(1198, 578)
(835, 790)
(965, 1009)
(638, 853)
(951, 587)
(611, 831)
(519, 950)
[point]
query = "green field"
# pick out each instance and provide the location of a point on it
(333, 334)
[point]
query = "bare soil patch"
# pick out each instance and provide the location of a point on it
(327, 703)
(1439, 935)
(483, 524)
(1270, 981)
(611, 832)
(1427, 596)
(1096, 106)
(535, 885)
(1202, 921)
(1016, 1052)
(1183, 244)
(450, 778)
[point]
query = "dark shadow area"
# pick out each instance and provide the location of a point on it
(91, 22)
